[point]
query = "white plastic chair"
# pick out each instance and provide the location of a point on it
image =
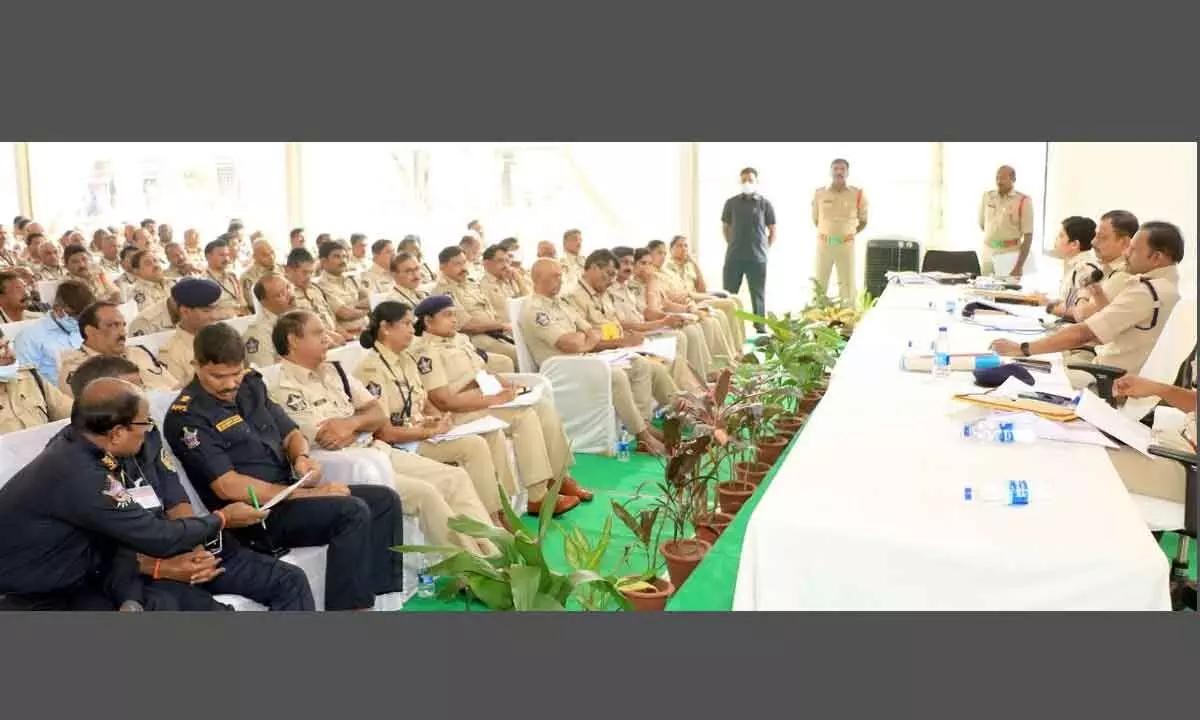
(1174, 347)
(152, 342)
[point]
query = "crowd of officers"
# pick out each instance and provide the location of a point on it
(100, 520)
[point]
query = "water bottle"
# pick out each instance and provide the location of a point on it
(425, 585)
(990, 431)
(941, 354)
(624, 440)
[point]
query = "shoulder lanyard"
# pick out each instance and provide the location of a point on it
(405, 397)
(224, 289)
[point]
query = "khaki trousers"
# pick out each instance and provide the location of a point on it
(484, 458)
(632, 393)
(730, 306)
(840, 256)
(435, 492)
(502, 357)
(539, 441)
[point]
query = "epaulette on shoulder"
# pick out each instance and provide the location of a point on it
(181, 403)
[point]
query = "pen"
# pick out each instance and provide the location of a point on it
(254, 501)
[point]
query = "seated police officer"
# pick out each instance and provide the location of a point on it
(189, 580)
(236, 446)
(63, 516)
(1126, 327)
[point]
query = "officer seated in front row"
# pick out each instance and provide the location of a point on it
(64, 515)
(189, 580)
(238, 446)
(1126, 326)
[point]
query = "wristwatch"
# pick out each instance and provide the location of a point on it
(1025, 349)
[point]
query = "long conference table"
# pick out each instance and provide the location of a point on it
(868, 511)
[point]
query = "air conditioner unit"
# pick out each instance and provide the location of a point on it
(889, 255)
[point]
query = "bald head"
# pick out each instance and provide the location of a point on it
(264, 254)
(1006, 177)
(546, 249)
(110, 404)
(547, 277)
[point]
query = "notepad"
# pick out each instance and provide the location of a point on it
(485, 424)
(283, 494)
(488, 384)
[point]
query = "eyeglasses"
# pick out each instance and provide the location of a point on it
(143, 423)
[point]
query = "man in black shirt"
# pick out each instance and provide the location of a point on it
(63, 516)
(235, 444)
(748, 221)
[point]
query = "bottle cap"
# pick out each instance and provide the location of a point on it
(942, 329)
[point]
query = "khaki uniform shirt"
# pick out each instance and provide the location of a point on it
(172, 273)
(260, 350)
(232, 297)
(49, 274)
(572, 266)
(343, 292)
(476, 271)
(178, 354)
(23, 404)
(1005, 220)
(498, 293)
(406, 296)
(1077, 272)
(1123, 327)
(630, 305)
(396, 382)
(147, 292)
(9, 259)
(253, 275)
(470, 302)
(838, 213)
(310, 397)
(195, 256)
(102, 288)
(446, 362)
(544, 320)
(153, 371)
(112, 268)
(595, 308)
(155, 317)
(357, 266)
(686, 274)
(376, 280)
(313, 298)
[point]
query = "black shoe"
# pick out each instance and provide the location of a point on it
(760, 329)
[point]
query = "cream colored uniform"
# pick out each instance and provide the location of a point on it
(429, 489)
(726, 309)
(342, 292)
(102, 288)
(1005, 220)
(155, 317)
(691, 351)
(715, 336)
(125, 283)
(1077, 273)
(23, 404)
(599, 309)
(112, 268)
(1116, 277)
(376, 280)
(544, 320)
(178, 354)
(838, 215)
(42, 273)
(153, 372)
(406, 296)
(572, 266)
(476, 271)
(172, 273)
(146, 292)
(470, 303)
(543, 453)
(689, 278)
(260, 350)
(232, 298)
(1131, 323)
(394, 380)
(251, 277)
(1154, 476)
(314, 300)
(498, 292)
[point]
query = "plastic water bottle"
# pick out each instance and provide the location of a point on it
(425, 585)
(1014, 493)
(941, 354)
(990, 431)
(624, 441)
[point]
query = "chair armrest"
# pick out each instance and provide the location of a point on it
(1187, 458)
(1189, 502)
(1104, 374)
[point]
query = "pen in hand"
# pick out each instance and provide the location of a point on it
(254, 501)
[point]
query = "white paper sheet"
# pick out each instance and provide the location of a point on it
(662, 346)
(488, 384)
(1107, 418)
(1077, 431)
(530, 398)
(485, 424)
(283, 494)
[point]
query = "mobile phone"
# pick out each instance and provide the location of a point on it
(1048, 398)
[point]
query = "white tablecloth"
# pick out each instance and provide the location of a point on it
(867, 513)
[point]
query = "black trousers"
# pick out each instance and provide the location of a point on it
(754, 270)
(91, 595)
(264, 579)
(360, 531)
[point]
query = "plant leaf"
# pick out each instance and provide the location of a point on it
(474, 528)
(547, 512)
(495, 594)
(524, 581)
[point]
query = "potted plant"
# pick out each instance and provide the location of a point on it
(518, 578)
(682, 495)
(646, 590)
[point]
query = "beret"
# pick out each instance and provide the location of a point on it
(995, 376)
(433, 305)
(195, 292)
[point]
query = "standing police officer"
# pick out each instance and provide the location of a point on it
(1006, 219)
(63, 516)
(748, 222)
(840, 214)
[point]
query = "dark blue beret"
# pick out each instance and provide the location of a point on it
(195, 292)
(433, 305)
(995, 376)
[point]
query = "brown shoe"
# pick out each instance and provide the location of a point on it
(571, 488)
(561, 505)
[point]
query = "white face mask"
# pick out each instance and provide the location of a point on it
(748, 188)
(8, 373)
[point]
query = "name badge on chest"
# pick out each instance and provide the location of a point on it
(145, 496)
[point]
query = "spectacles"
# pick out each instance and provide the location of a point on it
(142, 423)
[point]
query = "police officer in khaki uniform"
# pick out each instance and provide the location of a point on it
(390, 373)
(178, 265)
(1073, 245)
(839, 212)
(499, 284)
(1006, 219)
(647, 281)
(14, 297)
(232, 301)
(551, 327)
(308, 296)
(1111, 244)
(264, 264)
(150, 286)
(684, 267)
(1125, 328)
(79, 267)
(103, 329)
(347, 298)
(156, 317)
(1153, 476)
(274, 296)
(406, 280)
(411, 244)
(110, 252)
(472, 246)
(50, 267)
(196, 300)
(356, 260)
(335, 411)
(26, 398)
(596, 306)
(477, 319)
(678, 291)
(449, 366)
(378, 277)
(572, 258)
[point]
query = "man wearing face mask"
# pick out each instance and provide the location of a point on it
(748, 222)
(26, 398)
(839, 212)
(40, 345)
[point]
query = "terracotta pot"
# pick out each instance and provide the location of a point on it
(651, 600)
(809, 403)
(682, 557)
(788, 425)
(751, 473)
(710, 526)
(733, 495)
(770, 448)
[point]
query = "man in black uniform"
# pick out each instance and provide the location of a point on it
(748, 221)
(187, 581)
(233, 440)
(63, 516)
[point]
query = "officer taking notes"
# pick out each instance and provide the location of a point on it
(63, 516)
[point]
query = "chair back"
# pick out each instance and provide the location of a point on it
(951, 261)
